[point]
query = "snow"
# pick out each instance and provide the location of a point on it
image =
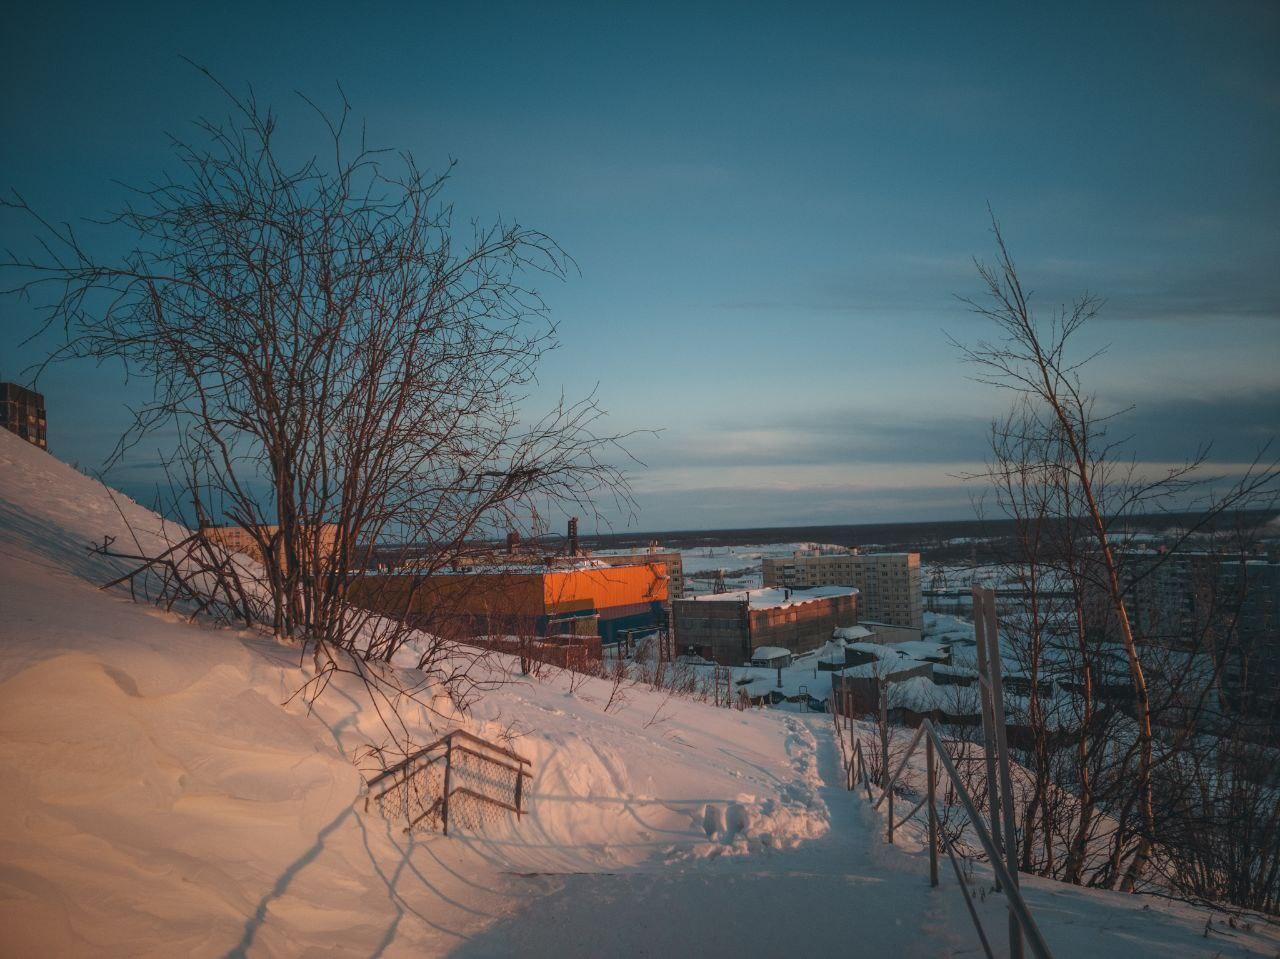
(161, 799)
(852, 633)
(776, 597)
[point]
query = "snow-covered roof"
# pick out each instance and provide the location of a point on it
(851, 633)
(831, 652)
(771, 597)
(770, 652)
(514, 567)
(921, 695)
(882, 669)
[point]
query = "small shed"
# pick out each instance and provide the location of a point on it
(771, 657)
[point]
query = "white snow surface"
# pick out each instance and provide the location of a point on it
(775, 597)
(161, 799)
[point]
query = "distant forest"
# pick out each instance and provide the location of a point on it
(936, 540)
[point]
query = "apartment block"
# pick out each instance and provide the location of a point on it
(236, 539)
(22, 412)
(888, 584)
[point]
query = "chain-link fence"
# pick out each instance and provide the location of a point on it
(460, 782)
(412, 794)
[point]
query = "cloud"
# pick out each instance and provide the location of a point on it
(910, 282)
(1236, 426)
(829, 435)
(849, 464)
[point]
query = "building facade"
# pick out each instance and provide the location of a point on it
(670, 559)
(888, 584)
(236, 539)
(521, 600)
(1208, 604)
(22, 412)
(728, 627)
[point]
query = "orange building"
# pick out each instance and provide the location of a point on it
(582, 599)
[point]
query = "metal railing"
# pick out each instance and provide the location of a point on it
(422, 787)
(1003, 855)
(1022, 924)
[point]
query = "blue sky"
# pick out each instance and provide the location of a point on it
(771, 208)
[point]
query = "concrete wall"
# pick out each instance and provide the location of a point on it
(889, 634)
(717, 630)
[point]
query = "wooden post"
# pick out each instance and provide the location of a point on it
(988, 722)
(1002, 747)
(933, 813)
(448, 769)
(519, 793)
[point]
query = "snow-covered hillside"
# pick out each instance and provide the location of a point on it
(159, 800)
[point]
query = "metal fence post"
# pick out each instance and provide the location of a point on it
(884, 752)
(933, 813)
(448, 768)
(988, 723)
(1002, 746)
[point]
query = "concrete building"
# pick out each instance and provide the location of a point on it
(728, 627)
(22, 412)
(888, 584)
(236, 539)
(1195, 601)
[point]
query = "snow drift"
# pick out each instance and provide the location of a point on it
(160, 799)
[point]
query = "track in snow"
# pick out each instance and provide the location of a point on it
(830, 893)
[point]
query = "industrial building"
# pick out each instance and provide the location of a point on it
(22, 412)
(669, 558)
(888, 584)
(584, 598)
(727, 627)
(517, 552)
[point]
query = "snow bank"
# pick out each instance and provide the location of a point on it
(161, 800)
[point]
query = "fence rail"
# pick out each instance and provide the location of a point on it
(459, 773)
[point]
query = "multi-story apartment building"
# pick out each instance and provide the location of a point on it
(1211, 604)
(22, 412)
(888, 584)
(236, 539)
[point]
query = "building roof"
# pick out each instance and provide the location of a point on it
(851, 633)
(775, 597)
(770, 652)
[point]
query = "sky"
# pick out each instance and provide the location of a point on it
(772, 209)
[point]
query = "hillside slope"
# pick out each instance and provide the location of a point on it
(160, 800)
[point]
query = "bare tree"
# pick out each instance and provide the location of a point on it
(342, 364)
(1062, 477)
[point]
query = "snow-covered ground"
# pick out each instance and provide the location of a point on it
(159, 800)
(741, 564)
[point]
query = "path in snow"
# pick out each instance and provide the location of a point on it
(833, 892)
(846, 891)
